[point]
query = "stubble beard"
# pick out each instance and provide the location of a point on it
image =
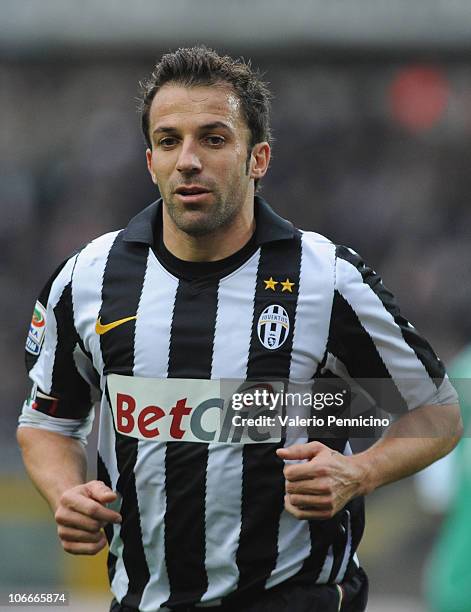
(219, 214)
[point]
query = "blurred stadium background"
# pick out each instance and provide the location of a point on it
(372, 120)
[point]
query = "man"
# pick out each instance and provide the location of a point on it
(211, 284)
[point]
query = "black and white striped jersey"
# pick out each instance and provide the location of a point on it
(204, 520)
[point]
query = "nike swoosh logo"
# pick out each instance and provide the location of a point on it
(103, 329)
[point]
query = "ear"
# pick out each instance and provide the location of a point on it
(259, 160)
(149, 166)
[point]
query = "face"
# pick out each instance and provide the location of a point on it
(199, 157)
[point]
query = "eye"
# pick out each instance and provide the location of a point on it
(167, 142)
(214, 140)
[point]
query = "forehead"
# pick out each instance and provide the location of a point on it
(177, 105)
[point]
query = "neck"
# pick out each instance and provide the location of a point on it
(219, 244)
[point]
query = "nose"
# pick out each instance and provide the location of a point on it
(188, 160)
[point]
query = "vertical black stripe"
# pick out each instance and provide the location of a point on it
(357, 523)
(262, 479)
(325, 533)
(104, 476)
(72, 391)
(355, 348)
(190, 356)
(420, 346)
(122, 287)
(339, 544)
(349, 341)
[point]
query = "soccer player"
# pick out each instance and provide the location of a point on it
(209, 284)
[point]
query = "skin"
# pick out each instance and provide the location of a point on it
(199, 136)
(79, 507)
(326, 480)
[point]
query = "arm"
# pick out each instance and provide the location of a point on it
(57, 418)
(79, 508)
(321, 486)
(369, 339)
(412, 443)
(66, 462)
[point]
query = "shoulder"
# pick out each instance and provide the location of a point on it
(96, 251)
(316, 246)
(344, 264)
(80, 260)
(341, 258)
(312, 241)
(348, 267)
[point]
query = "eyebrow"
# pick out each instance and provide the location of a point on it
(207, 126)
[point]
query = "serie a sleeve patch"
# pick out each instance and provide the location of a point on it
(37, 330)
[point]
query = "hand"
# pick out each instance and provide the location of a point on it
(320, 487)
(81, 516)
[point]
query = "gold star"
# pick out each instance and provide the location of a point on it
(270, 283)
(287, 286)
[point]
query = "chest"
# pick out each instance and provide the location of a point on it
(264, 320)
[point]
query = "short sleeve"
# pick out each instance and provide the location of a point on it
(62, 374)
(371, 342)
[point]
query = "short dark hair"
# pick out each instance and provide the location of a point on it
(200, 65)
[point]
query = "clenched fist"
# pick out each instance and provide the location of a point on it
(321, 486)
(81, 515)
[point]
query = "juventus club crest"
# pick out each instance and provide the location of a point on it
(273, 327)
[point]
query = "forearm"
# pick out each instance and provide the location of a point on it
(54, 462)
(413, 442)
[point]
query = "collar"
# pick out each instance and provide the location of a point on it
(269, 226)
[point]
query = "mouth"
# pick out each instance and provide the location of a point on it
(192, 194)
